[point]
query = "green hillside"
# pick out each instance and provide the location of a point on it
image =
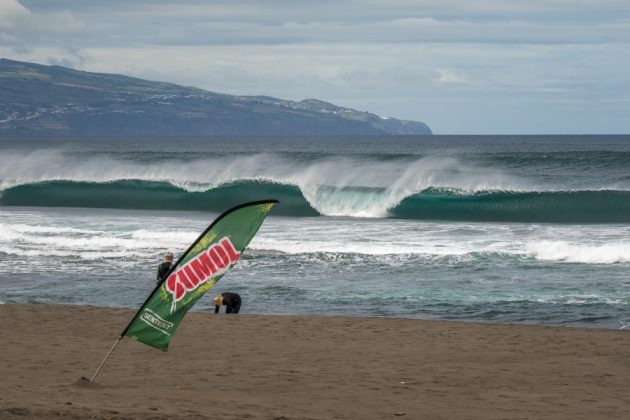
(38, 100)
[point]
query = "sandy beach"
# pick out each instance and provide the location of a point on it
(306, 367)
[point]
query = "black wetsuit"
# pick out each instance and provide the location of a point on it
(232, 302)
(163, 269)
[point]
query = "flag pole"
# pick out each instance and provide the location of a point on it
(145, 302)
(105, 359)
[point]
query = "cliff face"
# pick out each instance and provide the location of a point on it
(38, 100)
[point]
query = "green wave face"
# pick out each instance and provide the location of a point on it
(606, 206)
(545, 206)
(148, 195)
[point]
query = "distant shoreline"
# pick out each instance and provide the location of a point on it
(55, 100)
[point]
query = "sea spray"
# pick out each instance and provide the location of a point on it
(421, 188)
(558, 250)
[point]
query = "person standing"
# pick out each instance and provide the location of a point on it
(165, 266)
(232, 302)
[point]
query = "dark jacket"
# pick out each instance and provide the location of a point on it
(232, 302)
(163, 269)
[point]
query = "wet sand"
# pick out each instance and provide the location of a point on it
(308, 367)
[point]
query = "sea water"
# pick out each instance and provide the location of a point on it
(473, 228)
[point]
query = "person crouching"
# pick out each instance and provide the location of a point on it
(232, 302)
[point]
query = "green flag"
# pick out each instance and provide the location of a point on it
(211, 256)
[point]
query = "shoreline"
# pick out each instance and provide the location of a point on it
(307, 367)
(209, 310)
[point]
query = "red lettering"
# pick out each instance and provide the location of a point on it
(216, 258)
(223, 255)
(179, 291)
(192, 277)
(202, 266)
(171, 282)
(184, 280)
(233, 254)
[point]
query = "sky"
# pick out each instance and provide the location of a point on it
(461, 66)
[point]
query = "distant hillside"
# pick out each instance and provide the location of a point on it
(38, 100)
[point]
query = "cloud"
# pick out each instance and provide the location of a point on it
(59, 23)
(339, 10)
(23, 29)
(12, 14)
(69, 57)
(219, 24)
(451, 76)
(248, 22)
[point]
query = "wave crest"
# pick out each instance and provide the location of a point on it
(430, 204)
(410, 187)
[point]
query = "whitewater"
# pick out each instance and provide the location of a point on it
(491, 229)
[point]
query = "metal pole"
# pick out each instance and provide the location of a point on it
(106, 357)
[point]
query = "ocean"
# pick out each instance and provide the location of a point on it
(501, 229)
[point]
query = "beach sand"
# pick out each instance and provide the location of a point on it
(308, 367)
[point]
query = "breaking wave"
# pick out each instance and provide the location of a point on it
(407, 187)
(604, 206)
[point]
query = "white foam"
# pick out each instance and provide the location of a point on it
(398, 180)
(310, 247)
(80, 242)
(8, 234)
(593, 298)
(35, 252)
(607, 253)
(72, 235)
(359, 246)
(42, 230)
(166, 234)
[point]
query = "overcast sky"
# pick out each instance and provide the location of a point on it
(461, 66)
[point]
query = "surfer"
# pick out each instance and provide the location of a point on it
(165, 266)
(232, 302)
